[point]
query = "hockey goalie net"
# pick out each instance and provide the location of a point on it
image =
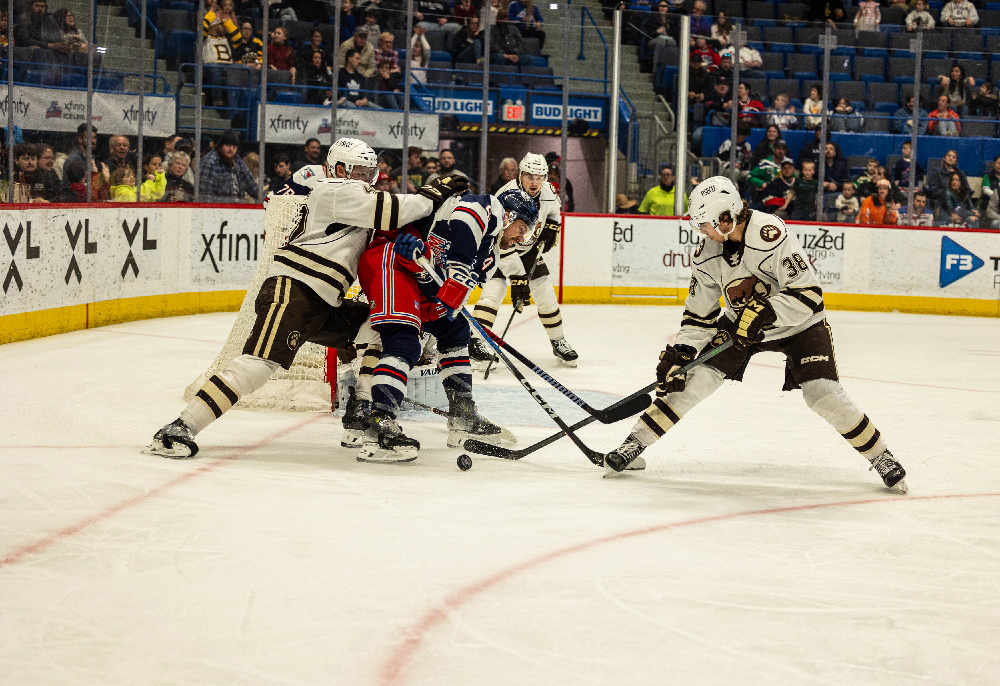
(310, 383)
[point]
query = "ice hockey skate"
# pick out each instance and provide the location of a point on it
(384, 441)
(890, 470)
(356, 415)
(566, 354)
(481, 355)
(175, 441)
(627, 456)
(464, 421)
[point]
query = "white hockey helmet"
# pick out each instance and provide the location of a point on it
(533, 163)
(712, 199)
(352, 153)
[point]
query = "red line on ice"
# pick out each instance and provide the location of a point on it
(394, 670)
(18, 554)
(156, 335)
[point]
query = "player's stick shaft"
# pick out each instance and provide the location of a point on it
(481, 448)
(592, 455)
(531, 273)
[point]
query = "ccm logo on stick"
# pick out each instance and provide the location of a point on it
(815, 358)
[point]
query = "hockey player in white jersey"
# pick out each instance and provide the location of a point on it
(773, 304)
(302, 298)
(516, 264)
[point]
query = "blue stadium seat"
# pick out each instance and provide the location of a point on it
(764, 23)
(73, 80)
(972, 56)
(992, 7)
(34, 76)
(108, 83)
(839, 76)
(933, 55)
(180, 47)
(184, 6)
(876, 52)
(440, 56)
(288, 97)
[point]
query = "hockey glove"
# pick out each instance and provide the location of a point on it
(671, 359)
(549, 236)
(443, 187)
(452, 295)
(520, 294)
(409, 246)
(750, 325)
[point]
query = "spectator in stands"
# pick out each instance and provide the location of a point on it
(386, 52)
(79, 151)
(744, 161)
(704, 52)
(901, 172)
(766, 146)
(371, 26)
(282, 171)
(38, 29)
(46, 167)
(659, 200)
(990, 185)
(871, 169)
(3, 29)
(413, 170)
(717, 107)
(348, 20)
(317, 79)
(250, 49)
(779, 194)
(467, 44)
(747, 107)
(878, 209)
(844, 118)
(224, 15)
(465, 9)
(958, 87)
(847, 203)
(957, 206)
(390, 87)
(659, 26)
(351, 84)
(216, 50)
(29, 185)
(700, 24)
(991, 214)
(985, 101)
(750, 61)
(118, 153)
(434, 16)
(804, 207)
(280, 55)
(959, 13)
(625, 204)
(123, 186)
(921, 215)
(769, 167)
(944, 120)
(939, 179)
(868, 16)
(836, 171)
(814, 105)
(869, 185)
(699, 82)
(919, 17)
(555, 162)
(170, 142)
(224, 176)
(304, 56)
(721, 29)
(508, 172)
(71, 36)
(177, 188)
(492, 10)
(506, 44)
(902, 121)
(446, 164)
(525, 15)
(419, 56)
(365, 50)
(430, 169)
(75, 186)
(826, 10)
(724, 71)
(783, 113)
(252, 160)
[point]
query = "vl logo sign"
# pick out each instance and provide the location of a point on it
(88, 248)
(130, 236)
(956, 262)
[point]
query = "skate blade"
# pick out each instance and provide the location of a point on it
(567, 363)
(351, 439)
(480, 365)
(900, 487)
(179, 451)
(457, 439)
(505, 434)
(376, 455)
(638, 464)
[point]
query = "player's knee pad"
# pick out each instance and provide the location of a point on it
(543, 294)
(701, 382)
(829, 400)
(400, 340)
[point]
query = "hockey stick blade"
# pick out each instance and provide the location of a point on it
(490, 450)
(618, 411)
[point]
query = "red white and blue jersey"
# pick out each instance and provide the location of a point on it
(464, 243)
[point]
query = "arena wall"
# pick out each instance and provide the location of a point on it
(70, 267)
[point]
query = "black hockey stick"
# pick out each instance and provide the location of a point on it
(605, 416)
(480, 448)
(595, 457)
(538, 256)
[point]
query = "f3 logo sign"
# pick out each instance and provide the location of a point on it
(956, 262)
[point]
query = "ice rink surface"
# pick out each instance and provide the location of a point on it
(755, 549)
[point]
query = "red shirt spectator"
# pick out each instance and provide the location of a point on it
(279, 53)
(465, 9)
(705, 54)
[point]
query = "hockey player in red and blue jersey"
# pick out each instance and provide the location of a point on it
(463, 245)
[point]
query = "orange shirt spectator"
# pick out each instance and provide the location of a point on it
(878, 209)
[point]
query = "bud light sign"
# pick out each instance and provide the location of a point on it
(547, 111)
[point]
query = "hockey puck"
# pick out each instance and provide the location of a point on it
(464, 462)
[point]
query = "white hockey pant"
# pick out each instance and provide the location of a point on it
(542, 292)
(243, 375)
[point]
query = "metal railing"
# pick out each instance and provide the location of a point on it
(584, 16)
(156, 37)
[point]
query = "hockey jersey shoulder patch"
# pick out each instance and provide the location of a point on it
(765, 232)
